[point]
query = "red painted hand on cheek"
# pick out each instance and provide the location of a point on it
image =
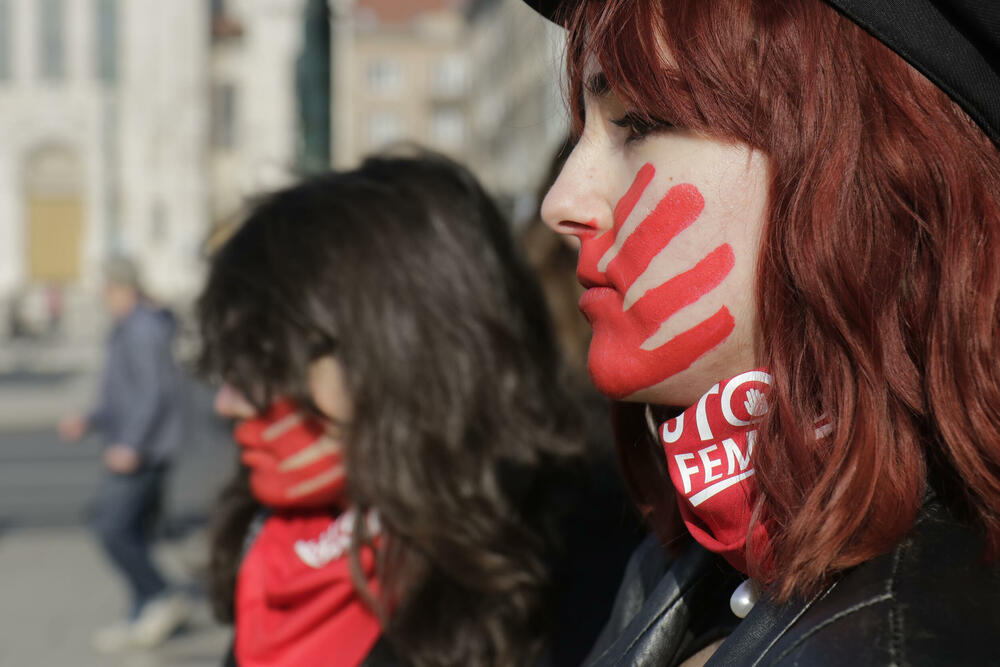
(292, 462)
(618, 363)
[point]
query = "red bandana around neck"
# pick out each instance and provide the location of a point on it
(295, 600)
(709, 450)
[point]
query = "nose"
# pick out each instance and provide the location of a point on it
(231, 404)
(576, 205)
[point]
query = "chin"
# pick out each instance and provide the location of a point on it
(680, 390)
(612, 379)
(263, 493)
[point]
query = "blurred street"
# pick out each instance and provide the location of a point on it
(57, 588)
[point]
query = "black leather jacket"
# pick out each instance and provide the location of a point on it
(933, 600)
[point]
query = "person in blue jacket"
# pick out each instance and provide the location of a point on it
(139, 413)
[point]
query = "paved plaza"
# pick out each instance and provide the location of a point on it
(56, 587)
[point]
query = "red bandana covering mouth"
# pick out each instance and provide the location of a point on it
(293, 462)
(709, 450)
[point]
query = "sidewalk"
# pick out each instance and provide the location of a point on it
(50, 355)
(42, 381)
(56, 586)
(57, 590)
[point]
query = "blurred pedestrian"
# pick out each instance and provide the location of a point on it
(391, 359)
(55, 309)
(140, 417)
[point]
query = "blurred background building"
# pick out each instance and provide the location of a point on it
(401, 71)
(138, 126)
(477, 79)
(144, 127)
(103, 142)
(254, 105)
(517, 112)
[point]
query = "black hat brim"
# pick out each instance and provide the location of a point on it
(547, 8)
(954, 43)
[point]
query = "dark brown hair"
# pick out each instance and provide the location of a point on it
(464, 437)
(878, 285)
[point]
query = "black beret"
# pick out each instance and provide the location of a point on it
(954, 43)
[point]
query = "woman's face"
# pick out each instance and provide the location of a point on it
(295, 460)
(669, 224)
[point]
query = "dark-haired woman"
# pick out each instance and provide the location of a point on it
(789, 213)
(406, 422)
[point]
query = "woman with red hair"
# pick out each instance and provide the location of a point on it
(789, 224)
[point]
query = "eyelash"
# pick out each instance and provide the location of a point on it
(639, 127)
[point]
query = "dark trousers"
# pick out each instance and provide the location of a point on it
(125, 515)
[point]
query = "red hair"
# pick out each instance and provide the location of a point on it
(878, 284)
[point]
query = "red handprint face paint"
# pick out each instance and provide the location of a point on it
(623, 357)
(293, 460)
(669, 224)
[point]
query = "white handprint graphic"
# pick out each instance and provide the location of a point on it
(755, 403)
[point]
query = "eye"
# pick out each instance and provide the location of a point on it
(639, 127)
(321, 346)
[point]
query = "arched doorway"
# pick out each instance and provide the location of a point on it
(53, 187)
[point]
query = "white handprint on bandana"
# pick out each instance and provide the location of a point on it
(755, 403)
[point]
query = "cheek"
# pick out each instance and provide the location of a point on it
(715, 258)
(738, 213)
(740, 202)
(328, 387)
(663, 311)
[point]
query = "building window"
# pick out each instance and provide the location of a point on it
(384, 128)
(158, 224)
(224, 25)
(51, 42)
(448, 128)
(6, 45)
(224, 115)
(449, 76)
(107, 40)
(385, 77)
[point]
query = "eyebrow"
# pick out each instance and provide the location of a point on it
(598, 85)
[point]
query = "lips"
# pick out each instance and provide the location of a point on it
(598, 289)
(595, 294)
(593, 297)
(596, 283)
